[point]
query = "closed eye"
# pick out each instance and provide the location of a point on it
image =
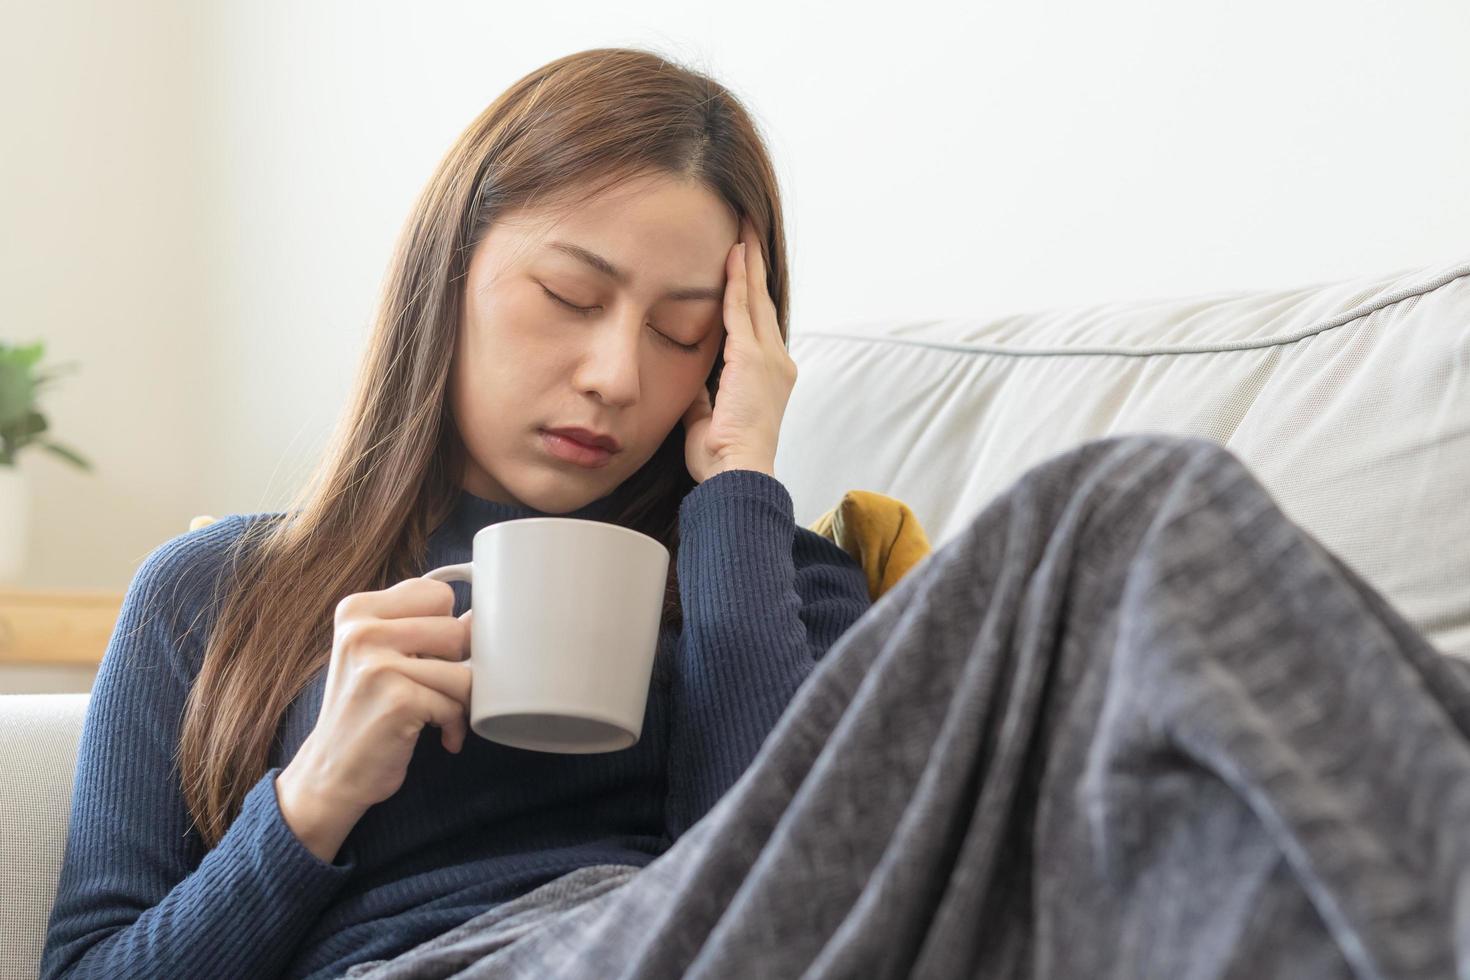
(589, 310)
(584, 310)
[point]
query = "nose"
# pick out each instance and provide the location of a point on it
(610, 362)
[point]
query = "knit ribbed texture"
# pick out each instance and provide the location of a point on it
(755, 627)
(138, 895)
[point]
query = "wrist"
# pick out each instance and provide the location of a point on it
(762, 465)
(319, 824)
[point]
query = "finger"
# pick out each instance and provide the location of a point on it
(411, 597)
(446, 714)
(755, 266)
(762, 309)
(737, 299)
(754, 276)
(444, 637)
(445, 679)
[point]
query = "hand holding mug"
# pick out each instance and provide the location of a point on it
(396, 665)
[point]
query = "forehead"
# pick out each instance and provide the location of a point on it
(660, 223)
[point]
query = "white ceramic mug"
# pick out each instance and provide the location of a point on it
(564, 631)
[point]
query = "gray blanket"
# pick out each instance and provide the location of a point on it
(1132, 722)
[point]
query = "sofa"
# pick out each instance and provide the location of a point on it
(1349, 400)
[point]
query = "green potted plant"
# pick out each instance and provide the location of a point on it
(22, 424)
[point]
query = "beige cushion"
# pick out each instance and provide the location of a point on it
(38, 750)
(1349, 401)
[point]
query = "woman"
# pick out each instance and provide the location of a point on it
(1132, 722)
(602, 248)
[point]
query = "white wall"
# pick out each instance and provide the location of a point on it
(199, 201)
(102, 233)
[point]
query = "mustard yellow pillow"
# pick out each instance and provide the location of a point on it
(879, 531)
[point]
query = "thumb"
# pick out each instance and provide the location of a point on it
(700, 408)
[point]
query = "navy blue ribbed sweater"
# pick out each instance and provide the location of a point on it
(138, 896)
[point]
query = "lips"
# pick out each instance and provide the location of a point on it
(587, 437)
(573, 451)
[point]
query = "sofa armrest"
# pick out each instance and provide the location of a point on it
(39, 734)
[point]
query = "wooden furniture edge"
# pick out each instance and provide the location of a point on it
(56, 627)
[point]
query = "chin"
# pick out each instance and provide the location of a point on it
(564, 498)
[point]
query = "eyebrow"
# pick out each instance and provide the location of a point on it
(605, 267)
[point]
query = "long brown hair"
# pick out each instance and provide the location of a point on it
(392, 470)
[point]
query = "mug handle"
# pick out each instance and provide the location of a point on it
(463, 572)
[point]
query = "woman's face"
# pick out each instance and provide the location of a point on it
(525, 362)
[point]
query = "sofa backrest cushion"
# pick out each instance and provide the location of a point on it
(1350, 401)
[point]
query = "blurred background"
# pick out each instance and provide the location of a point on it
(199, 199)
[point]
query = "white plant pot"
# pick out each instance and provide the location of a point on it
(15, 523)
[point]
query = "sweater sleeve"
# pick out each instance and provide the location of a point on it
(137, 897)
(763, 600)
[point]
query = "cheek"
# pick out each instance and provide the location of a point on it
(485, 381)
(511, 317)
(507, 344)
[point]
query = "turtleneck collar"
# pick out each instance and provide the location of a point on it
(471, 513)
